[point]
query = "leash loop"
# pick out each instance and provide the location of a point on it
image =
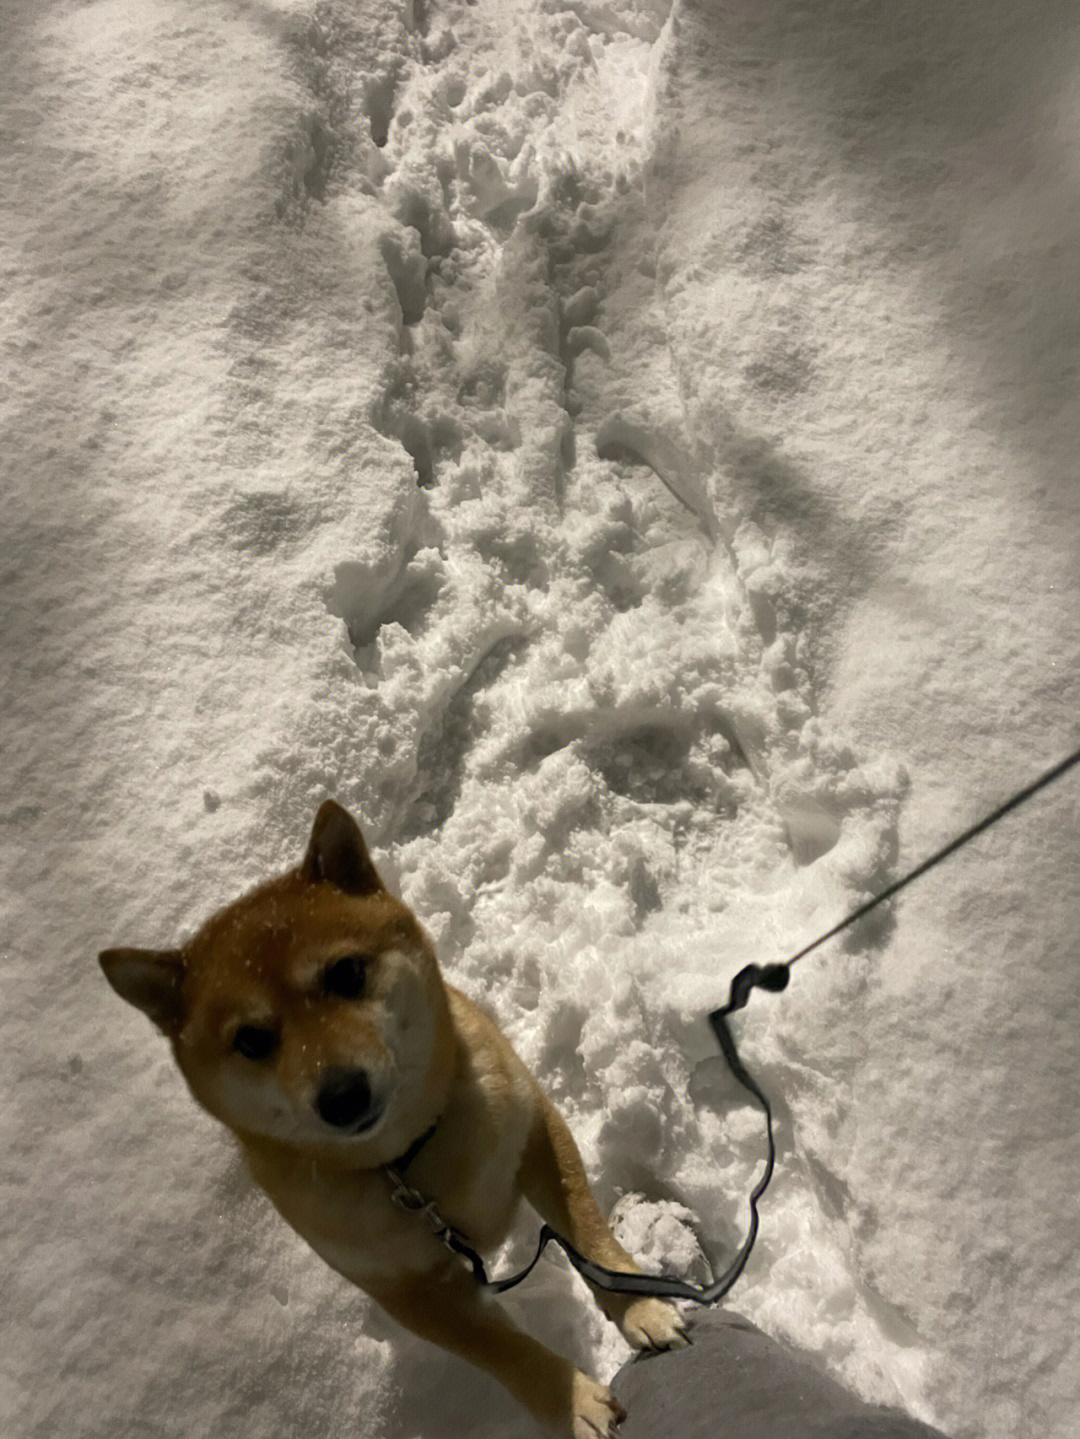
(661, 1286)
(772, 977)
(767, 976)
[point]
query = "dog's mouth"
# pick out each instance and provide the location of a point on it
(367, 1122)
(360, 1126)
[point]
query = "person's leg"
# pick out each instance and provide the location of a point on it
(734, 1382)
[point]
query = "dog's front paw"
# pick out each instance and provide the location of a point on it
(653, 1324)
(597, 1412)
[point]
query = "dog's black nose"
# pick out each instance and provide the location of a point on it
(345, 1098)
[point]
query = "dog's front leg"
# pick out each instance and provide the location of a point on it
(452, 1310)
(553, 1179)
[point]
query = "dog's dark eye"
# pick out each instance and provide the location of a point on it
(254, 1043)
(345, 978)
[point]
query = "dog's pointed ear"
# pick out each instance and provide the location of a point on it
(337, 854)
(150, 979)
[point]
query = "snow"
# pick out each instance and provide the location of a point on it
(627, 454)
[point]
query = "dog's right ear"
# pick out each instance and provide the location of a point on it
(337, 853)
(150, 979)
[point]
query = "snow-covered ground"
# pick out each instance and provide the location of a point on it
(627, 453)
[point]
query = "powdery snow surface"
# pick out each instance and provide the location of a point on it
(627, 454)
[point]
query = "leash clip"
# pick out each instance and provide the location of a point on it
(403, 1197)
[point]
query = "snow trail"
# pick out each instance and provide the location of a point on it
(595, 720)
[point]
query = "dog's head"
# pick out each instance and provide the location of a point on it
(308, 1013)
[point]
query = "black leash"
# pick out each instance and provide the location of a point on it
(772, 977)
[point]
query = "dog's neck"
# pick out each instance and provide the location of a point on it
(403, 1161)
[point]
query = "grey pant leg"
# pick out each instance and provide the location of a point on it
(734, 1382)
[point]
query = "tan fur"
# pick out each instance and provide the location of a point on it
(428, 1054)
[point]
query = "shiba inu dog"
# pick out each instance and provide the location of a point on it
(311, 1018)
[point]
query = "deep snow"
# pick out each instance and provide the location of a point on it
(629, 458)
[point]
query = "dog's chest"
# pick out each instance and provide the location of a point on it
(350, 1221)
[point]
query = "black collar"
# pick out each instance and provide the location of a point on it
(404, 1160)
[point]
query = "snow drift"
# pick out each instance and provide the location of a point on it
(626, 453)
